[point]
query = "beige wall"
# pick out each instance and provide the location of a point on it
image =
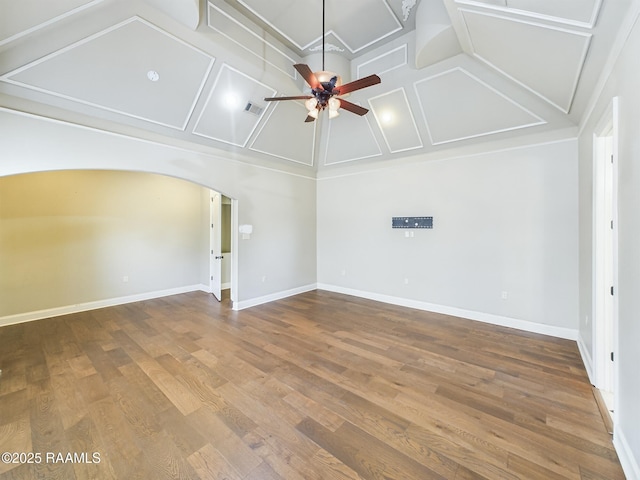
(279, 258)
(71, 237)
(225, 215)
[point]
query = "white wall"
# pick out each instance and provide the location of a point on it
(70, 237)
(280, 206)
(503, 222)
(623, 83)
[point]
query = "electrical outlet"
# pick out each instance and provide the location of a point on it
(264, 278)
(125, 279)
(505, 295)
(406, 281)
(343, 272)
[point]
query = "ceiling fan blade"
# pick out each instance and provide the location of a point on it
(308, 75)
(309, 119)
(352, 107)
(276, 99)
(358, 84)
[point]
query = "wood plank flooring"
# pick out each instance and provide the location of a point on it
(316, 386)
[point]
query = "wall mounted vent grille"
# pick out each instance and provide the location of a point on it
(253, 108)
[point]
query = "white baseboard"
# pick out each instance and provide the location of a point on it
(252, 302)
(586, 359)
(533, 327)
(629, 462)
(458, 312)
(82, 307)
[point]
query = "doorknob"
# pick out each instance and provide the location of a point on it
(220, 257)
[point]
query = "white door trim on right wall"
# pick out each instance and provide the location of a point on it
(605, 256)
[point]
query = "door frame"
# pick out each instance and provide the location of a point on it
(234, 253)
(605, 255)
(215, 243)
(234, 244)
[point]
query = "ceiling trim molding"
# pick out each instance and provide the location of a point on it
(413, 121)
(405, 60)
(441, 156)
(407, 6)
(212, 92)
(49, 22)
(540, 121)
(580, 66)
(376, 40)
(289, 72)
(329, 47)
(539, 16)
(326, 147)
(328, 33)
(7, 77)
(302, 48)
(205, 150)
(80, 42)
(618, 45)
(264, 123)
(398, 23)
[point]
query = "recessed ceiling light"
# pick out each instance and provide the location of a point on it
(386, 117)
(231, 101)
(153, 75)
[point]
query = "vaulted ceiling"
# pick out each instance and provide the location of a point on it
(195, 73)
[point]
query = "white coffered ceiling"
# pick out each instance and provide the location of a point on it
(454, 72)
(353, 25)
(125, 87)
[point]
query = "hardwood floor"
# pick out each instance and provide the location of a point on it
(316, 386)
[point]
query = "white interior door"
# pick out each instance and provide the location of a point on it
(215, 237)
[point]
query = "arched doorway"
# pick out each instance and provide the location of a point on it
(81, 239)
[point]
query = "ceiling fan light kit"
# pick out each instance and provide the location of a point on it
(326, 87)
(324, 76)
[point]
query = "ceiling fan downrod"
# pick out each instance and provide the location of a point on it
(326, 87)
(323, 34)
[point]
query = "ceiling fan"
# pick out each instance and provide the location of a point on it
(325, 88)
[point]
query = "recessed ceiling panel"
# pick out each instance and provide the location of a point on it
(301, 22)
(396, 58)
(19, 17)
(286, 135)
(581, 12)
(456, 105)
(133, 68)
(234, 108)
(375, 22)
(548, 61)
(229, 23)
(349, 138)
(184, 11)
(395, 119)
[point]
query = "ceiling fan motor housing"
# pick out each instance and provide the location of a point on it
(328, 81)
